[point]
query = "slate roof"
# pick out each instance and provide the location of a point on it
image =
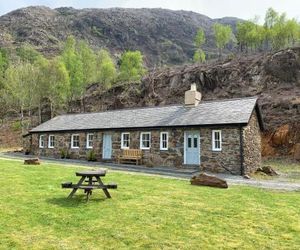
(221, 112)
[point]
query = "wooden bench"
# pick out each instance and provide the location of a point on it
(129, 155)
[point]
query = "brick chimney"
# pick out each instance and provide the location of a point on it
(192, 97)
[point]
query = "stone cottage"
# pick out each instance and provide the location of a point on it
(220, 136)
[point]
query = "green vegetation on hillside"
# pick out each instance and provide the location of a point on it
(145, 212)
(277, 32)
(28, 80)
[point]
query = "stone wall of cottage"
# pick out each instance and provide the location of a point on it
(214, 161)
(252, 145)
(224, 161)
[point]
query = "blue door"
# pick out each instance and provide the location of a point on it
(107, 146)
(192, 148)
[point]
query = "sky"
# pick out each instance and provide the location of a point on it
(245, 9)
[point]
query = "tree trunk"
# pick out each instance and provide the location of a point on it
(40, 113)
(22, 119)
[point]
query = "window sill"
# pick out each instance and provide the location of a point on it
(74, 147)
(217, 150)
(164, 149)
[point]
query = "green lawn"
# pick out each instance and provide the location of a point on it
(146, 212)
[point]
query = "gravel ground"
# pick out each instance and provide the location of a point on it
(166, 172)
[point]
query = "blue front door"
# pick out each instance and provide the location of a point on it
(192, 148)
(107, 146)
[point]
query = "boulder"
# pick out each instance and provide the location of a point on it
(208, 180)
(297, 151)
(33, 161)
(267, 170)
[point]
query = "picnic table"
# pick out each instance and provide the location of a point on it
(89, 181)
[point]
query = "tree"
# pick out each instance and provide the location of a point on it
(3, 66)
(223, 35)
(199, 40)
(20, 87)
(88, 59)
(54, 85)
(28, 54)
(74, 66)
(250, 35)
(106, 68)
(199, 56)
(271, 18)
(292, 28)
(131, 67)
(279, 33)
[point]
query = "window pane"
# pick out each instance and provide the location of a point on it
(195, 141)
(189, 142)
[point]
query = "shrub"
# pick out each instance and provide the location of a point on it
(91, 156)
(63, 154)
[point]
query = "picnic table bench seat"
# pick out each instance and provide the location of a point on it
(128, 155)
(108, 186)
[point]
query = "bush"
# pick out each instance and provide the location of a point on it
(63, 154)
(91, 156)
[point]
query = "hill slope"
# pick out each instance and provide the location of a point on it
(164, 36)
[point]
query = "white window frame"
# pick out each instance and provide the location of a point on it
(161, 140)
(122, 140)
(72, 141)
(49, 141)
(141, 140)
(42, 140)
(213, 140)
(88, 140)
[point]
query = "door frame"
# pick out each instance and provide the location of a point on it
(104, 135)
(185, 145)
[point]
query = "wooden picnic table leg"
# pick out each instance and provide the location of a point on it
(104, 189)
(89, 191)
(75, 189)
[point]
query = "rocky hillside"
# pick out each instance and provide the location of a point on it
(275, 78)
(164, 36)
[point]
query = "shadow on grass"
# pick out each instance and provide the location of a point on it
(75, 201)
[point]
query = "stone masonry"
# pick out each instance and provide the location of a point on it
(215, 161)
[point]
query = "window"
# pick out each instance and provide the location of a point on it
(42, 141)
(216, 140)
(189, 141)
(75, 141)
(125, 140)
(164, 140)
(145, 140)
(51, 141)
(89, 141)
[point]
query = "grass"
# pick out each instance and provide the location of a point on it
(145, 212)
(288, 170)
